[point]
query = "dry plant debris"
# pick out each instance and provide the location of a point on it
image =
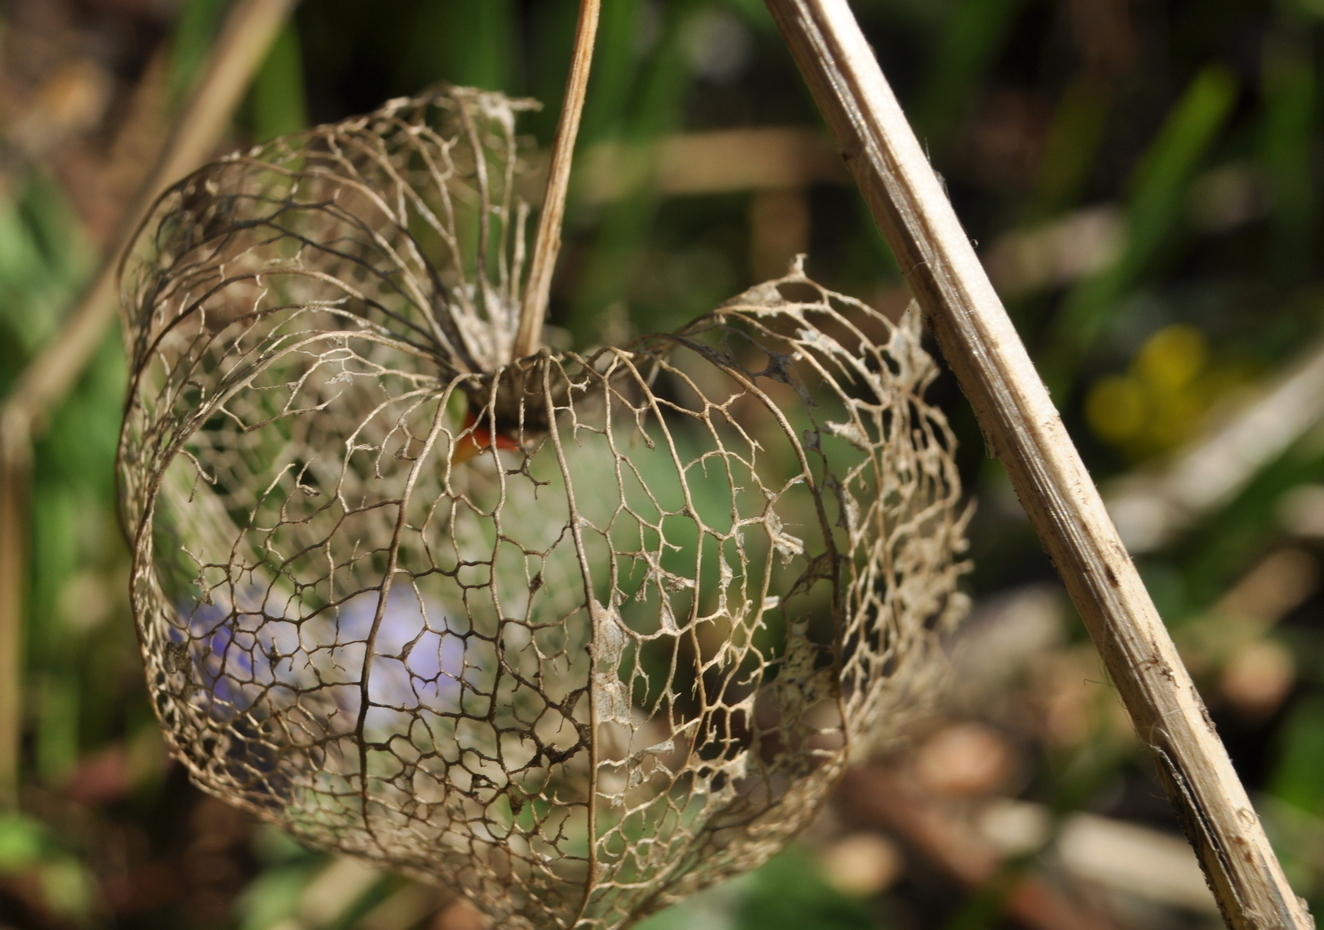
(574, 634)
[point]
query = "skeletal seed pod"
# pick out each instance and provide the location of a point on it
(575, 634)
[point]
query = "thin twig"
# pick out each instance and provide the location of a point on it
(247, 34)
(1026, 432)
(547, 243)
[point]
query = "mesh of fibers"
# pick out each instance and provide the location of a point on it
(576, 635)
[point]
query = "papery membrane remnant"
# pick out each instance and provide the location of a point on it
(576, 635)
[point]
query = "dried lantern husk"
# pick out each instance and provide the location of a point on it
(576, 635)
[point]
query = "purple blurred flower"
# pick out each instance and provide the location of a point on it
(248, 655)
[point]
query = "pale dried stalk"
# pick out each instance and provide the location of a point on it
(547, 244)
(1025, 430)
(240, 48)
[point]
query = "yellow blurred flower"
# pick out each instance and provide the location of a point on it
(1172, 358)
(1164, 396)
(1115, 408)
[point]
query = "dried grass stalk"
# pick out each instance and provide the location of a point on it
(1024, 429)
(578, 634)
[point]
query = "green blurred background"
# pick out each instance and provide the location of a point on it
(1141, 177)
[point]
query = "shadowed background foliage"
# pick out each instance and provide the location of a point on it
(1142, 179)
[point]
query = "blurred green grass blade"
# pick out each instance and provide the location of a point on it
(73, 518)
(273, 897)
(21, 270)
(57, 230)
(426, 59)
(57, 727)
(1157, 188)
(1071, 145)
(547, 61)
(80, 445)
(1287, 151)
(616, 64)
(1186, 133)
(44, 255)
(664, 80)
(198, 23)
(277, 102)
(483, 44)
(755, 13)
(970, 40)
(628, 223)
(472, 44)
(1156, 200)
(1224, 546)
(1298, 777)
(49, 654)
(23, 842)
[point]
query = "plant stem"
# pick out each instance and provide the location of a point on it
(248, 32)
(14, 476)
(547, 243)
(1025, 430)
